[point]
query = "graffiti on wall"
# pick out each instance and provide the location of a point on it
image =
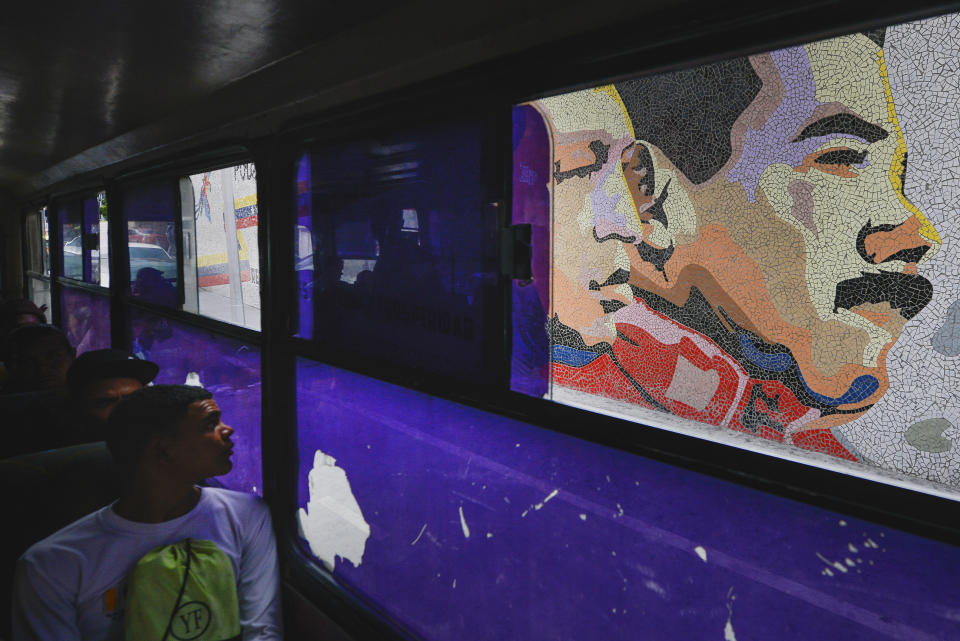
(748, 245)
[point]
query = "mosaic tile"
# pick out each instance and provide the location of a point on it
(764, 245)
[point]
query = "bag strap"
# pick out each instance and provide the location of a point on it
(176, 606)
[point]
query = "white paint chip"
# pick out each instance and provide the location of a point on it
(489, 535)
(833, 564)
(332, 523)
(728, 632)
(702, 553)
(463, 524)
(422, 530)
(539, 505)
(852, 547)
(843, 523)
(654, 587)
(583, 517)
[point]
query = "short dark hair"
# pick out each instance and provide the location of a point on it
(146, 414)
(26, 336)
(689, 114)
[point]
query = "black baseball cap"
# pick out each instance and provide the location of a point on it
(109, 363)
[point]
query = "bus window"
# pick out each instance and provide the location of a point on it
(45, 241)
(70, 237)
(402, 248)
(228, 368)
(96, 252)
(149, 211)
(530, 354)
(38, 259)
(86, 319)
(223, 232)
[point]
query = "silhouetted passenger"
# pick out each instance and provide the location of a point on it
(15, 313)
(38, 357)
(164, 440)
(151, 286)
(97, 381)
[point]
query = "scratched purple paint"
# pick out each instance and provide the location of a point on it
(531, 205)
(572, 540)
(228, 368)
(87, 319)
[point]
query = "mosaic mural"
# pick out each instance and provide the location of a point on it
(745, 245)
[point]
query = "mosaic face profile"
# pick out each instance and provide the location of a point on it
(733, 244)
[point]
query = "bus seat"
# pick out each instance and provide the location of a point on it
(44, 492)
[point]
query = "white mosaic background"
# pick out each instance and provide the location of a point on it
(923, 60)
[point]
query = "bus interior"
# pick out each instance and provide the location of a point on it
(427, 256)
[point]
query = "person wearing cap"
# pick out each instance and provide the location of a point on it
(97, 380)
(151, 286)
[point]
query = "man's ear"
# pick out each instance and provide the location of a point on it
(660, 195)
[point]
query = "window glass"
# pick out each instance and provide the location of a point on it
(69, 216)
(34, 242)
(529, 370)
(86, 319)
(39, 291)
(228, 368)
(303, 249)
(45, 245)
(149, 212)
(225, 221)
(96, 254)
(712, 276)
(395, 242)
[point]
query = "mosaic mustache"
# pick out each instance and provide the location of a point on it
(909, 293)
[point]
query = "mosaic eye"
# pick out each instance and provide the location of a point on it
(842, 157)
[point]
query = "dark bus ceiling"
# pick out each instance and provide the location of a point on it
(87, 85)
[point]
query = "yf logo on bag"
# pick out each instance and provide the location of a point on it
(183, 592)
(190, 621)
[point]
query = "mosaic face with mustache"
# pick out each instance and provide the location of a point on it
(755, 256)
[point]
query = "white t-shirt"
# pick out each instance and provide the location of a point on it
(70, 586)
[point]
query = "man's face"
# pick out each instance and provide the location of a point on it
(43, 364)
(805, 237)
(202, 447)
(101, 396)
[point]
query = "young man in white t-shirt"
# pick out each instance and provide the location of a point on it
(164, 439)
